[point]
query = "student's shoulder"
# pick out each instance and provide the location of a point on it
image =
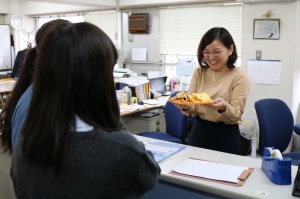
(120, 142)
(21, 53)
(124, 136)
(23, 103)
(121, 137)
(26, 97)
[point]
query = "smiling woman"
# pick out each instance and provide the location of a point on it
(219, 57)
(216, 124)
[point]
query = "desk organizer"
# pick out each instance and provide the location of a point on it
(278, 171)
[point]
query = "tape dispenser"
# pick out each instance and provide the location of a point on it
(277, 169)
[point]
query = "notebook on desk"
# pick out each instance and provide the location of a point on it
(158, 84)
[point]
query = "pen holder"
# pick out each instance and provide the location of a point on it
(278, 171)
(123, 97)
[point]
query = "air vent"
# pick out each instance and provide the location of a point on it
(139, 23)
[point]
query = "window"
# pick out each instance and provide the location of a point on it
(74, 18)
(106, 21)
(182, 28)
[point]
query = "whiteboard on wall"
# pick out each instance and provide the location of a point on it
(5, 47)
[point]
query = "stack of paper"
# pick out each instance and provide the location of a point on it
(211, 170)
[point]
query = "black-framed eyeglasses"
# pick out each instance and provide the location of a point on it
(217, 53)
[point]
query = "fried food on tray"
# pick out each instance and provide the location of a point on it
(194, 97)
(202, 97)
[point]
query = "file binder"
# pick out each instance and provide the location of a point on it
(163, 150)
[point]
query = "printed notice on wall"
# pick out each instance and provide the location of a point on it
(264, 71)
(139, 54)
(266, 29)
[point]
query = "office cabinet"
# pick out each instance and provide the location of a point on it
(6, 185)
(141, 124)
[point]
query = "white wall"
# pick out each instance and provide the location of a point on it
(296, 91)
(37, 8)
(282, 49)
(4, 6)
(149, 41)
(2, 19)
(285, 49)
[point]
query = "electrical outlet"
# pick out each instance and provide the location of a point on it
(258, 55)
(159, 34)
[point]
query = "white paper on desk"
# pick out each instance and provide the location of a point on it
(139, 54)
(128, 107)
(153, 74)
(118, 74)
(153, 101)
(134, 81)
(210, 170)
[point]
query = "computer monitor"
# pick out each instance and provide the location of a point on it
(158, 84)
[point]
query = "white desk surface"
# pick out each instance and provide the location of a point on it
(257, 180)
(6, 86)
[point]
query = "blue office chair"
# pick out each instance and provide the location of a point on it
(276, 124)
(297, 128)
(176, 124)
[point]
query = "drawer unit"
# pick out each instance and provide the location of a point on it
(140, 124)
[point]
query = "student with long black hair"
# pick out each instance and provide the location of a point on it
(72, 144)
(24, 81)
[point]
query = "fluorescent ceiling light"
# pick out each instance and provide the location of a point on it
(101, 12)
(230, 4)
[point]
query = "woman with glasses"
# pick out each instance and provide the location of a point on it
(216, 125)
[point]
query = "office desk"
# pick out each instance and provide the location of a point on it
(145, 107)
(6, 88)
(177, 187)
(142, 108)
